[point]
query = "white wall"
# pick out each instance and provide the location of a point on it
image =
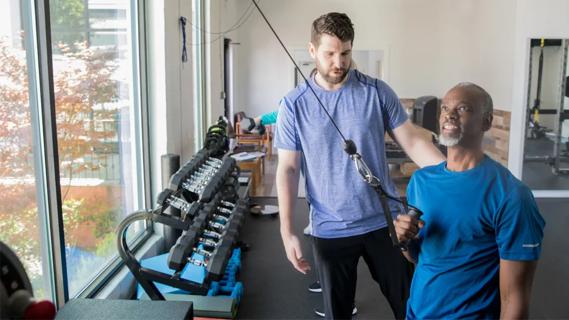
(534, 19)
(223, 16)
(169, 85)
(214, 57)
(429, 45)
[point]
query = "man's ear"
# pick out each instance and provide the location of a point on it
(487, 122)
(312, 50)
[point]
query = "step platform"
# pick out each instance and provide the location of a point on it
(223, 297)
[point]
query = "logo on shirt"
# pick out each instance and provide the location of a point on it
(530, 245)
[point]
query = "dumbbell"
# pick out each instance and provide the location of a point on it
(212, 234)
(218, 261)
(195, 179)
(193, 211)
(207, 242)
(228, 213)
(216, 225)
(217, 180)
(202, 252)
(201, 175)
(182, 249)
(183, 173)
(200, 221)
(220, 218)
(227, 204)
(183, 246)
(196, 262)
(197, 176)
(178, 254)
(179, 204)
(223, 211)
(194, 187)
(196, 184)
(167, 198)
(206, 170)
(214, 162)
(236, 218)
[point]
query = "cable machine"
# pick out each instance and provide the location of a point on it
(535, 130)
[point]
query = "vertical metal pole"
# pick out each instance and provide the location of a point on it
(527, 131)
(560, 114)
(50, 153)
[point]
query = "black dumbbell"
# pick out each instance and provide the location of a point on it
(182, 249)
(198, 263)
(202, 252)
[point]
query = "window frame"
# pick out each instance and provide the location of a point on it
(36, 22)
(198, 67)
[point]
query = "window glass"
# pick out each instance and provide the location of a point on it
(21, 226)
(95, 111)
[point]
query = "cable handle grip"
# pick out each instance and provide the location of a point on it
(413, 212)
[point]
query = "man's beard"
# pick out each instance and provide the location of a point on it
(449, 141)
(331, 79)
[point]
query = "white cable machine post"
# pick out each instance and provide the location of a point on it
(562, 115)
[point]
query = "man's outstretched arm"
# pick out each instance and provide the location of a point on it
(417, 145)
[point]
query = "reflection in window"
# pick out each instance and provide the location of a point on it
(93, 80)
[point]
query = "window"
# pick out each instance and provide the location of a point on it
(98, 115)
(96, 106)
(22, 223)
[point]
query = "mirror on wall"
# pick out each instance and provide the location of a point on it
(546, 149)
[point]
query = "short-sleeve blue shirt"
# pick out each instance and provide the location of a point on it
(342, 204)
(472, 220)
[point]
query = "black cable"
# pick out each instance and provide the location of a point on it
(238, 24)
(302, 74)
(246, 14)
(184, 49)
(388, 196)
(351, 149)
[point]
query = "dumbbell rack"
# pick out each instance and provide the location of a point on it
(205, 192)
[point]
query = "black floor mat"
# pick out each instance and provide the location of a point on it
(274, 290)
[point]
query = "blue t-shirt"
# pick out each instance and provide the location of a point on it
(473, 219)
(342, 204)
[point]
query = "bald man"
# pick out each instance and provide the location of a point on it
(477, 245)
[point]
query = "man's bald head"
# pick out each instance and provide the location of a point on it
(466, 113)
(483, 97)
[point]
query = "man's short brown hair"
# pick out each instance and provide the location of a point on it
(334, 24)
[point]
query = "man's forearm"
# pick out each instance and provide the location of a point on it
(287, 190)
(417, 143)
(514, 309)
(516, 278)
